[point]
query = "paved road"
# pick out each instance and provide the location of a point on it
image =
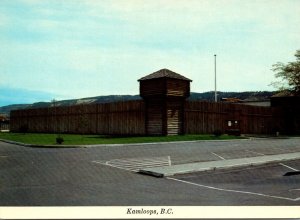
(91, 176)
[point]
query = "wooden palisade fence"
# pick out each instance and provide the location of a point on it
(128, 118)
(207, 117)
(163, 111)
(124, 118)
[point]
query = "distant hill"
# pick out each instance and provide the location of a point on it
(5, 110)
(208, 96)
(247, 96)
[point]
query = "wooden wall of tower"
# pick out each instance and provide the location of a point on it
(164, 98)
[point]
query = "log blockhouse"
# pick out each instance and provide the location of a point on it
(164, 93)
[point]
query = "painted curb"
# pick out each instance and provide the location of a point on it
(161, 174)
(41, 146)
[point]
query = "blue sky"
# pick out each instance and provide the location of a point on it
(80, 48)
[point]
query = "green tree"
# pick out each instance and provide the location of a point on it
(289, 74)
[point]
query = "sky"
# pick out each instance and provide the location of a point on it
(67, 49)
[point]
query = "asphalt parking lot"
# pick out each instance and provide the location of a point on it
(106, 175)
(267, 181)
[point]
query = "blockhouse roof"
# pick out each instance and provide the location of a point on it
(164, 73)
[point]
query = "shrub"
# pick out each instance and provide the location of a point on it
(59, 140)
(217, 133)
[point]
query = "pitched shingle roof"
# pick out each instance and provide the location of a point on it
(164, 73)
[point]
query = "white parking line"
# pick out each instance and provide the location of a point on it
(169, 160)
(235, 191)
(289, 167)
(279, 163)
(293, 189)
(104, 163)
(136, 164)
(218, 156)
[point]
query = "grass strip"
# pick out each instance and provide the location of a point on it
(77, 139)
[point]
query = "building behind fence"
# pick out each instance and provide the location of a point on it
(164, 110)
(4, 125)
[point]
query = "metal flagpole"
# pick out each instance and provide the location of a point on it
(216, 78)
